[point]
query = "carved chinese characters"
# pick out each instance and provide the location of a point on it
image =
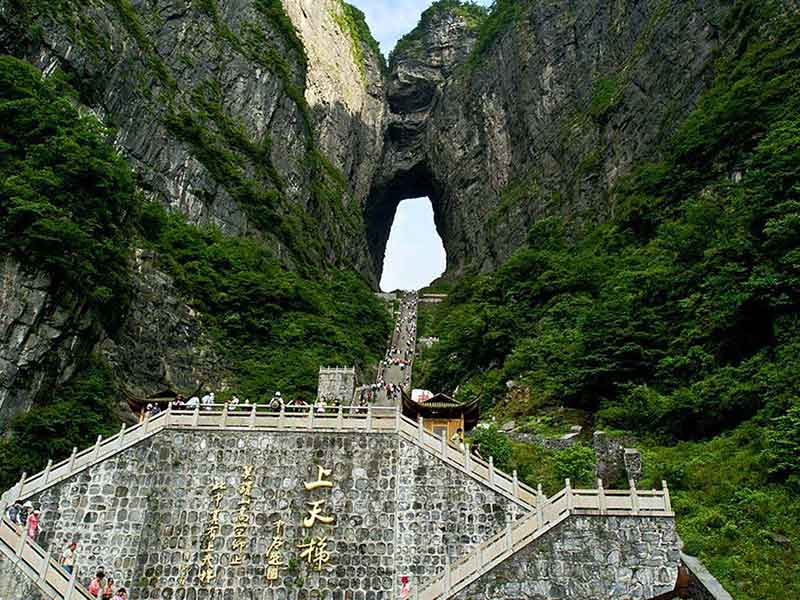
(315, 550)
(211, 533)
(240, 537)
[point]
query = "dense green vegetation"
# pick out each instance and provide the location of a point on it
(68, 205)
(66, 198)
(73, 417)
(473, 13)
(502, 15)
(275, 326)
(353, 23)
(677, 320)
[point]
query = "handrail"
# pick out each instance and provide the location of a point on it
(483, 471)
(517, 535)
(261, 417)
(38, 565)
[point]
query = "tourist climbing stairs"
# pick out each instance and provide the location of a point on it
(548, 514)
(37, 564)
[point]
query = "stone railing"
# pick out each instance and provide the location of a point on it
(547, 515)
(262, 418)
(38, 565)
(479, 469)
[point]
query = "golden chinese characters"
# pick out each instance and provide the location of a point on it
(240, 538)
(274, 552)
(207, 572)
(315, 514)
(315, 552)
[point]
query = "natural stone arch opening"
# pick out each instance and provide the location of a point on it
(415, 254)
(381, 209)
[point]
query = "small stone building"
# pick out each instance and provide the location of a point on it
(336, 384)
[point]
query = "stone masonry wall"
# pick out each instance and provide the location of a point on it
(143, 514)
(14, 585)
(586, 558)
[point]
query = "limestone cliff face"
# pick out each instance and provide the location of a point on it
(232, 112)
(41, 337)
(219, 105)
(345, 93)
(542, 121)
(237, 112)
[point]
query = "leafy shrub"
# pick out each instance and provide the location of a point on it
(74, 417)
(66, 197)
(576, 463)
(494, 443)
(783, 446)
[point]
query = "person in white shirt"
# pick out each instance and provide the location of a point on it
(68, 558)
(208, 401)
(193, 402)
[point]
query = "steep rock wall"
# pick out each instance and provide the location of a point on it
(228, 116)
(540, 122)
(344, 88)
(41, 336)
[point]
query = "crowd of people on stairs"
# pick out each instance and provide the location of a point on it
(27, 519)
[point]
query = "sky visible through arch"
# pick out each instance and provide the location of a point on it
(414, 254)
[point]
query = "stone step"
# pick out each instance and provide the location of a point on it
(37, 565)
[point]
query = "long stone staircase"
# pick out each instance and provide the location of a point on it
(38, 565)
(540, 514)
(548, 514)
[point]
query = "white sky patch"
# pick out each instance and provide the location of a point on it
(414, 254)
(390, 20)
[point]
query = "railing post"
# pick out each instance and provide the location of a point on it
(601, 497)
(396, 421)
(491, 470)
(146, 422)
(667, 501)
(282, 417)
(467, 460)
(46, 472)
(568, 494)
(253, 417)
(45, 567)
(369, 418)
(634, 497)
(196, 416)
(72, 458)
(121, 436)
(72, 582)
(20, 486)
(509, 539)
(96, 453)
(444, 444)
(516, 483)
(224, 415)
(311, 417)
(539, 507)
(340, 417)
(168, 415)
(23, 538)
(420, 429)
